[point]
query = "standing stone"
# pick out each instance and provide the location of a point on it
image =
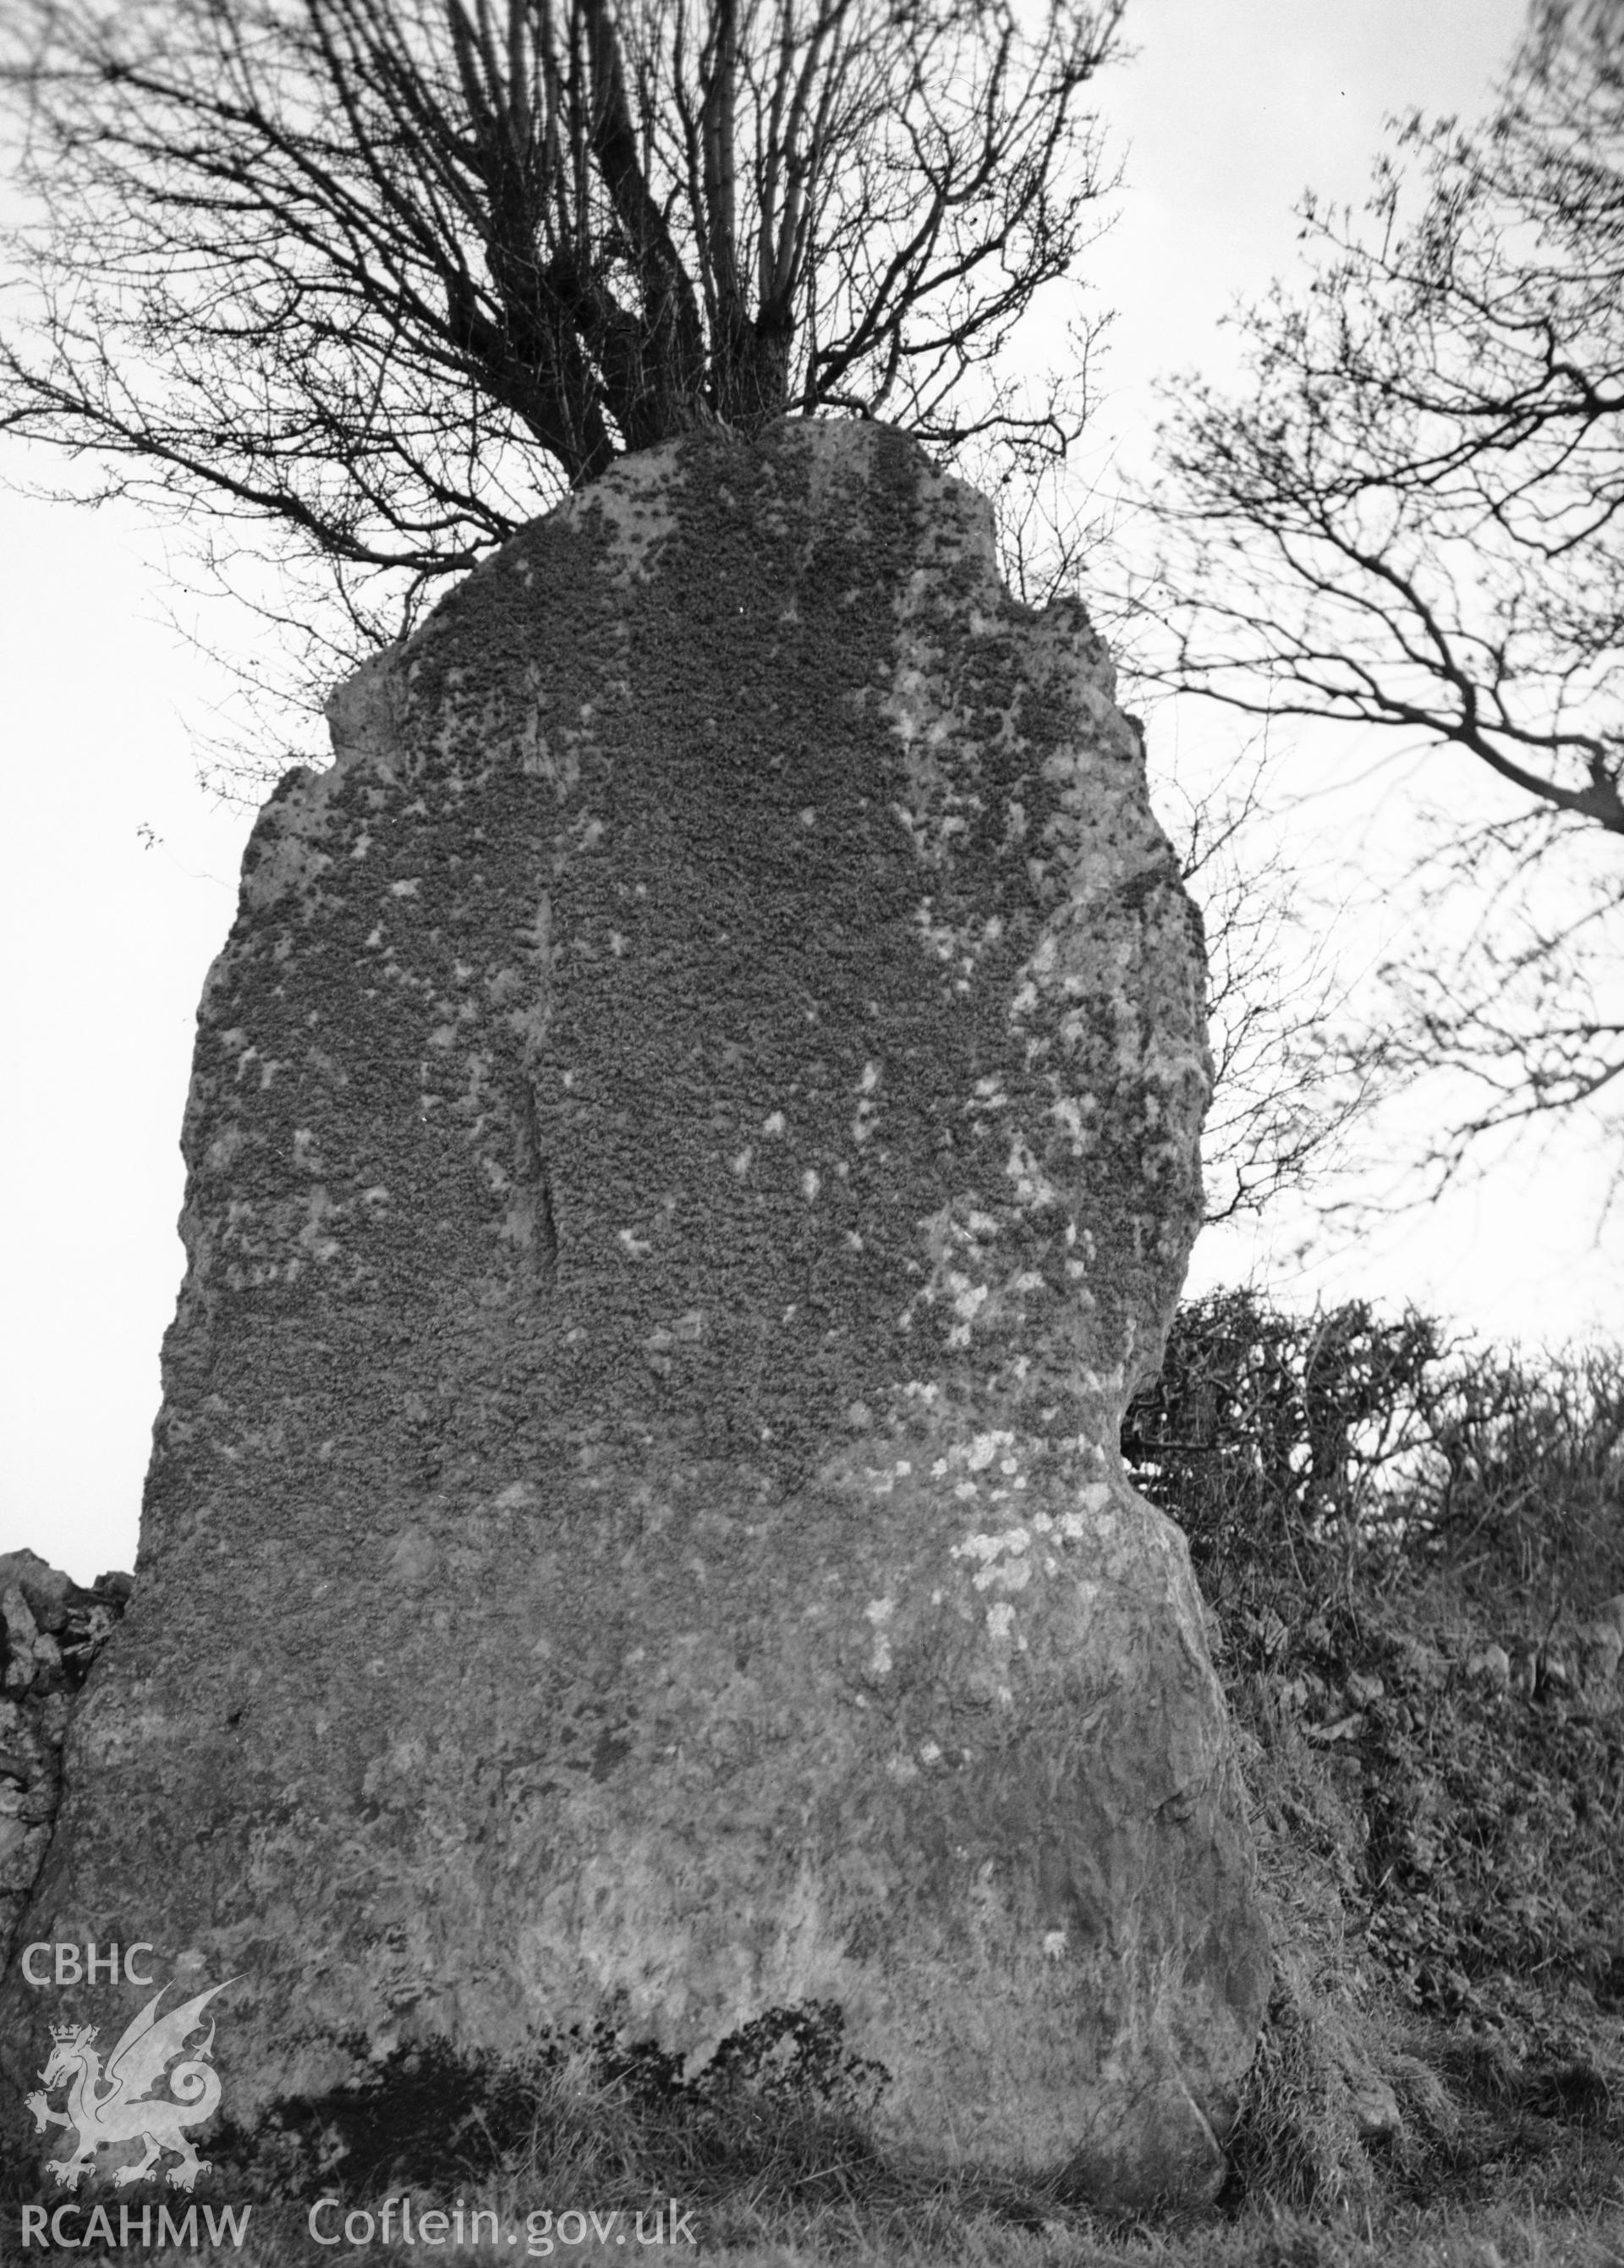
(693, 1143)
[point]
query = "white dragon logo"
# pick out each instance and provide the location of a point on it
(125, 2112)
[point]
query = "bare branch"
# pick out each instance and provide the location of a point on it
(389, 273)
(1413, 519)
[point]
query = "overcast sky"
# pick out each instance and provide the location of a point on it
(119, 874)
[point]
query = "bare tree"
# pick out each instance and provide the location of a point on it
(1285, 1101)
(371, 282)
(379, 279)
(1414, 520)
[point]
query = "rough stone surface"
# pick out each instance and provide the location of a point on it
(51, 1631)
(693, 1141)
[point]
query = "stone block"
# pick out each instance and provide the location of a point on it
(693, 1143)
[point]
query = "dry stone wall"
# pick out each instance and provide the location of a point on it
(693, 1139)
(51, 1631)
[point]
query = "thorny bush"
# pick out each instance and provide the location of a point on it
(1385, 1445)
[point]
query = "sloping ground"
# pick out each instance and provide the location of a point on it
(1413, 1557)
(1438, 1778)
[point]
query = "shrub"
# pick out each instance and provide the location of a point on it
(1348, 1441)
